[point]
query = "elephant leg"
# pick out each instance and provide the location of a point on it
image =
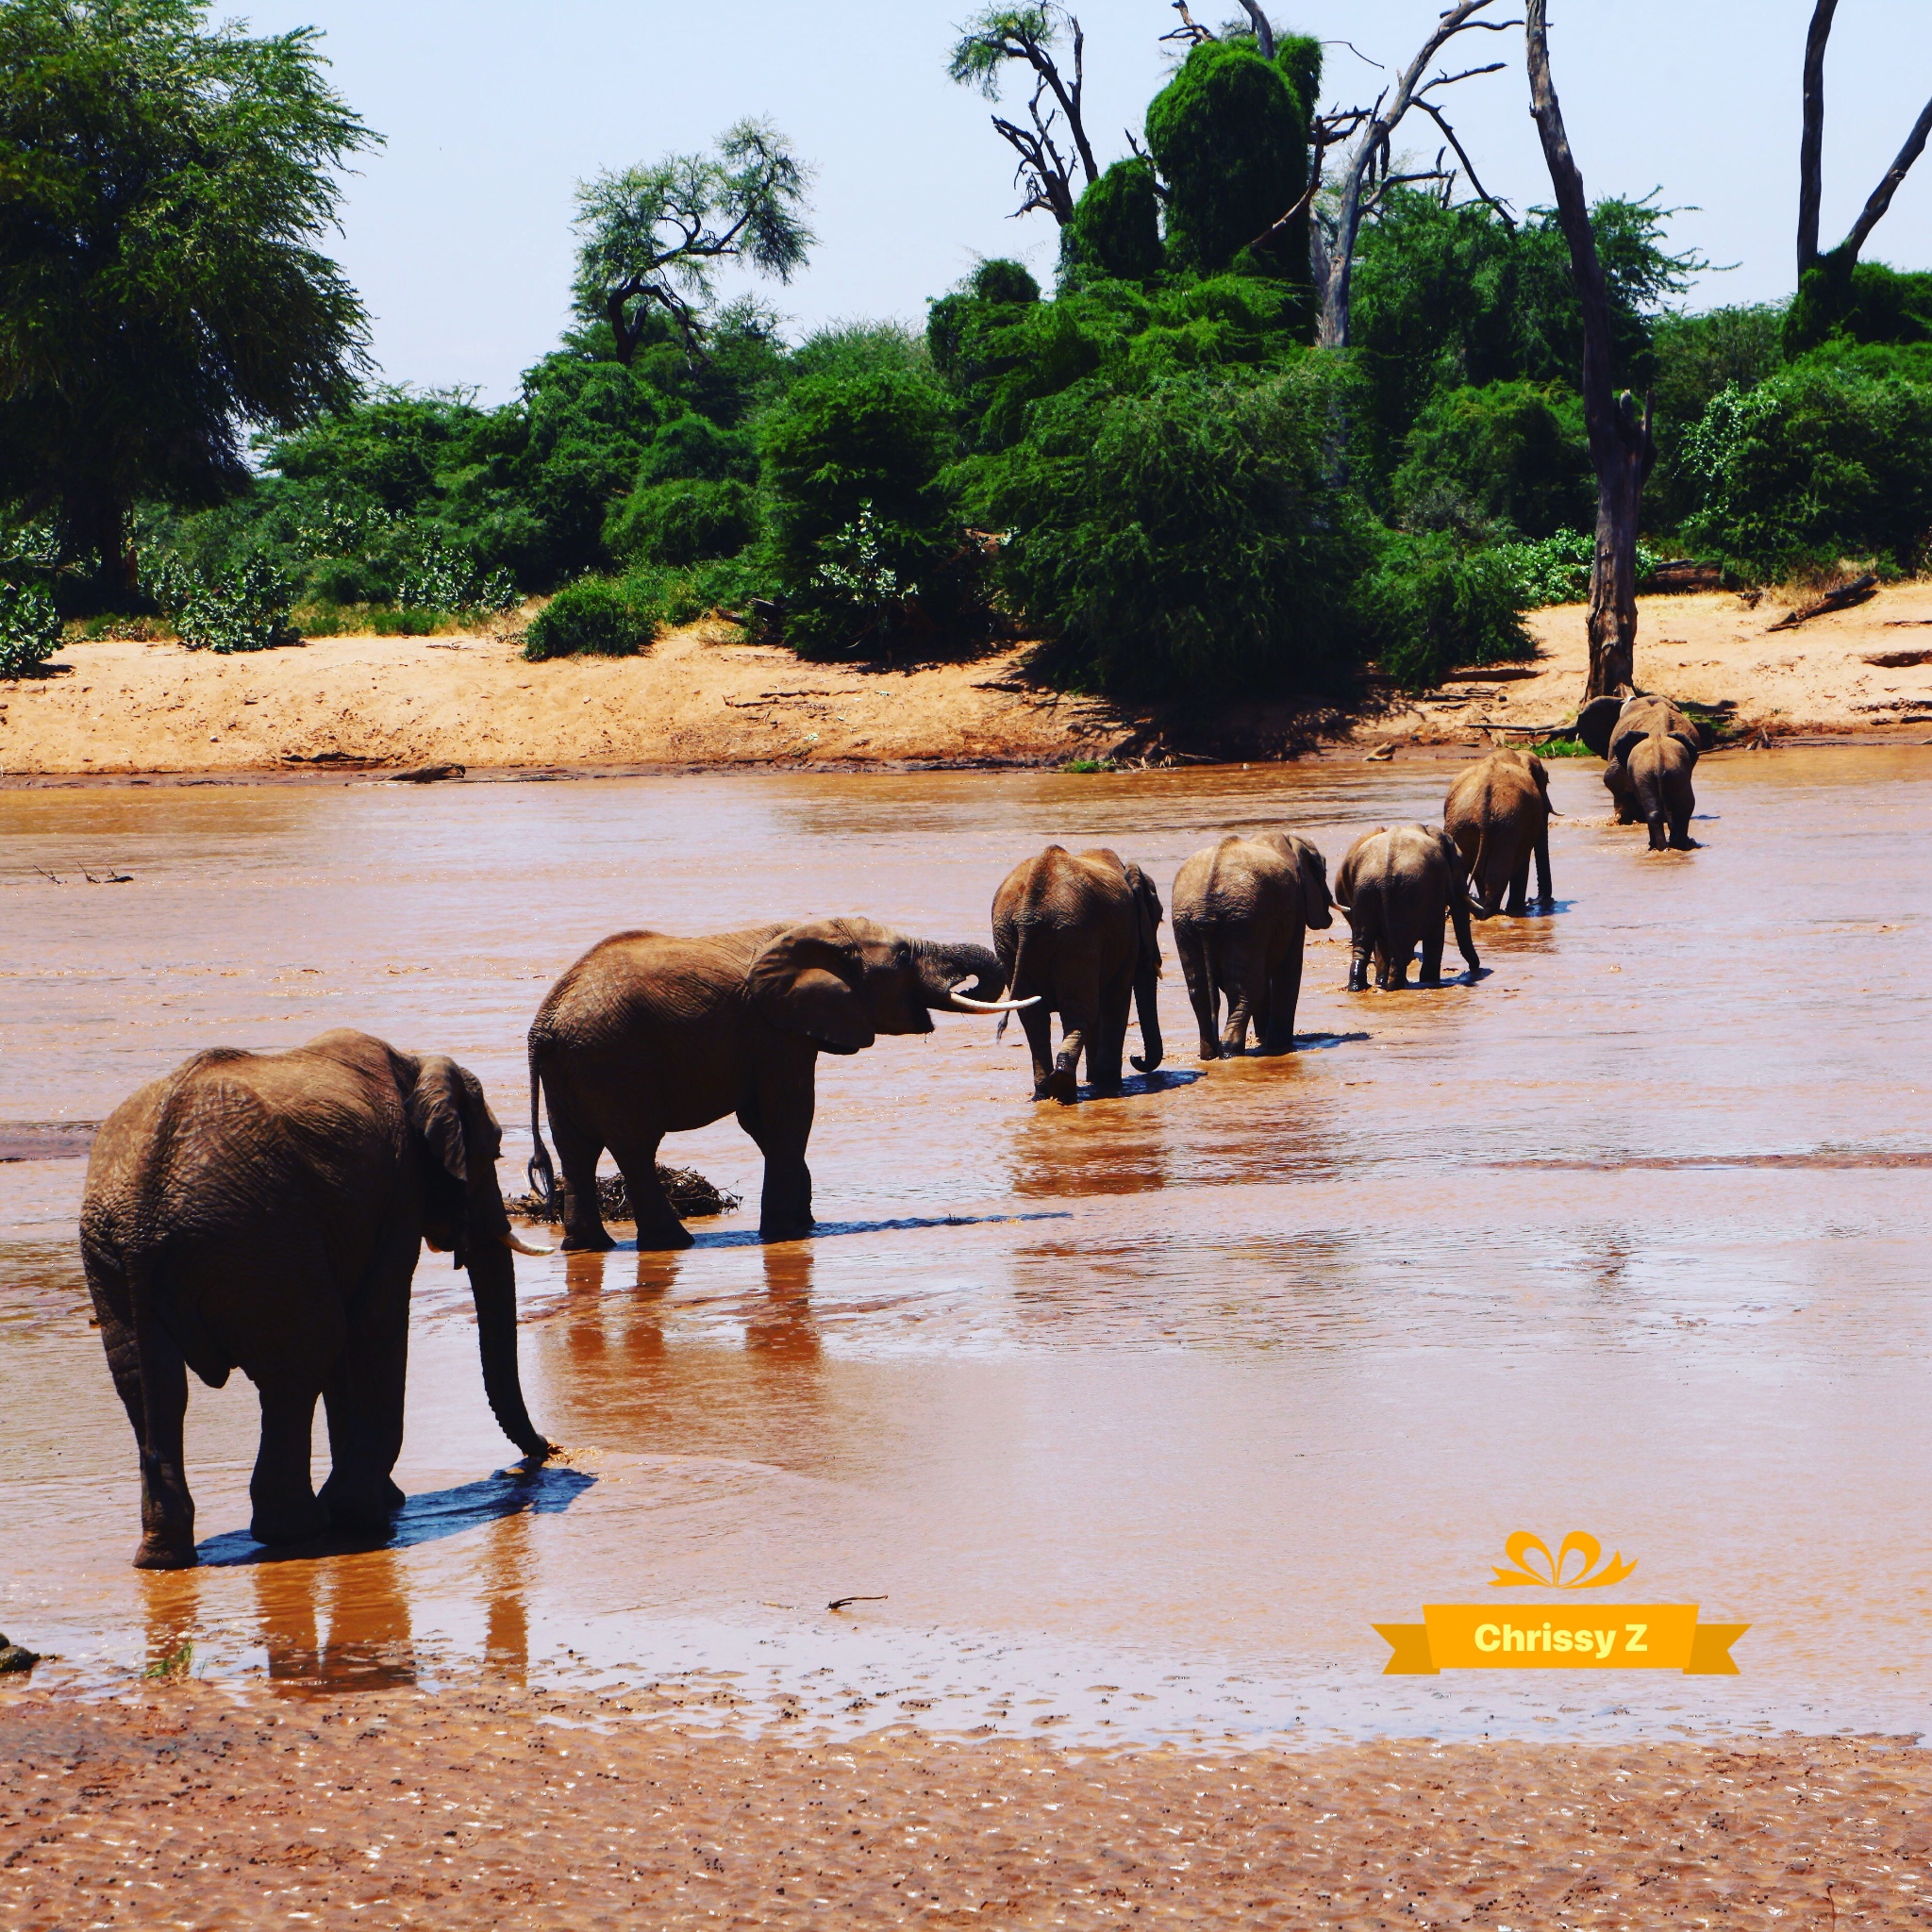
(1543, 891)
(167, 1509)
(783, 1116)
(1243, 972)
(1037, 1024)
(1518, 886)
(1432, 953)
(362, 1396)
(578, 1149)
(1360, 947)
(286, 1509)
(1683, 802)
(1107, 1046)
(1284, 995)
(1197, 969)
(1079, 1024)
(658, 1227)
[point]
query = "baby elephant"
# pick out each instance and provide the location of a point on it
(1652, 750)
(1498, 813)
(1241, 910)
(1395, 885)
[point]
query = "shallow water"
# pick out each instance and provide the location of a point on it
(1136, 1415)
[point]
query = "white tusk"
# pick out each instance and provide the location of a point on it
(962, 1004)
(517, 1247)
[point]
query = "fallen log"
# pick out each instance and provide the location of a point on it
(1857, 591)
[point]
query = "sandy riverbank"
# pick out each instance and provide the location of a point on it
(700, 699)
(519, 1809)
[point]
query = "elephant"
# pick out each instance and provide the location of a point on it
(265, 1212)
(1241, 909)
(648, 1035)
(1652, 749)
(1077, 934)
(1498, 813)
(1395, 884)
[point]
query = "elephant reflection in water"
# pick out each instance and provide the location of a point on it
(507, 1570)
(370, 1643)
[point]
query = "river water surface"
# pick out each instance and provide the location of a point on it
(1131, 1418)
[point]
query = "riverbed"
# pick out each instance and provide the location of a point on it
(1121, 1423)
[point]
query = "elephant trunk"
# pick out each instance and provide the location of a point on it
(943, 968)
(494, 1287)
(1147, 1009)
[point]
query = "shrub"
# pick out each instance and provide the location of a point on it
(1555, 570)
(1430, 606)
(1187, 539)
(242, 608)
(1508, 452)
(1831, 457)
(29, 629)
(442, 577)
(597, 617)
(1116, 227)
(682, 521)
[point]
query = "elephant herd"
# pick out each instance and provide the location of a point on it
(266, 1212)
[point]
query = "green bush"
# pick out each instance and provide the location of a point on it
(1116, 227)
(1830, 457)
(1509, 454)
(1187, 539)
(682, 521)
(29, 629)
(595, 617)
(242, 608)
(1429, 607)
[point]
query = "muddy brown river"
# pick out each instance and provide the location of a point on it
(1127, 1419)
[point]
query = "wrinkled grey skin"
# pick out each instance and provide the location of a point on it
(648, 1035)
(1396, 885)
(265, 1212)
(1241, 912)
(1652, 749)
(1498, 813)
(1082, 930)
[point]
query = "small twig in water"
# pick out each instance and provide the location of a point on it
(839, 1603)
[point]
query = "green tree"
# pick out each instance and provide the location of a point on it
(1115, 227)
(161, 187)
(653, 235)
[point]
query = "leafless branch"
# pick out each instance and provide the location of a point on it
(1190, 30)
(1442, 120)
(1874, 210)
(1264, 29)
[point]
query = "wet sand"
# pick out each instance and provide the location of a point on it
(1137, 1416)
(507, 1809)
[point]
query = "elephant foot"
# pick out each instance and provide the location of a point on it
(1111, 1090)
(586, 1241)
(364, 1507)
(165, 1553)
(1210, 1050)
(785, 1230)
(1064, 1086)
(659, 1240)
(289, 1523)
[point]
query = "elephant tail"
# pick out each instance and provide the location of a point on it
(540, 1174)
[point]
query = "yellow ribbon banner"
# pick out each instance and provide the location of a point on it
(1561, 1636)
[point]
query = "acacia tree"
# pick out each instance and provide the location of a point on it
(1825, 281)
(1001, 36)
(653, 235)
(1621, 447)
(162, 186)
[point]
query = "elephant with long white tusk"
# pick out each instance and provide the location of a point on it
(649, 1034)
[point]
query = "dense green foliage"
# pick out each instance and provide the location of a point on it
(1431, 607)
(1509, 458)
(162, 186)
(595, 617)
(1115, 232)
(29, 629)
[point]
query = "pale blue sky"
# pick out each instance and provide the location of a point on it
(458, 232)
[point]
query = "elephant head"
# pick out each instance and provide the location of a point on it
(457, 1141)
(842, 982)
(1148, 914)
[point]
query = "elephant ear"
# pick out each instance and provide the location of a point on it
(1313, 868)
(806, 981)
(437, 1110)
(1596, 722)
(1148, 907)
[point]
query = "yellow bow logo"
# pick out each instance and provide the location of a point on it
(1522, 1548)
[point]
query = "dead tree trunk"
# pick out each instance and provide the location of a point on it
(1621, 445)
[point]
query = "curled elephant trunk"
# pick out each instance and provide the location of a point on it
(959, 980)
(493, 1287)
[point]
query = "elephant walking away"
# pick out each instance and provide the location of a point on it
(1498, 813)
(1652, 750)
(1395, 885)
(265, 1212)
(649, 1034)
(1241, 911)
(1077, 934)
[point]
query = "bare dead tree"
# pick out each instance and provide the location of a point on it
(1367, 173)
(1811, 158)
(1621, 445)
(1029, 35)
(1194, 33)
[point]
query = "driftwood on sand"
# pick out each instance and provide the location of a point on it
(1857, 591)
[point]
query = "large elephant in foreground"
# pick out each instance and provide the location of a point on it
(1241, 910)
(1079, 933)
(648, 1035)
(265, 1212)
(1395, 885)
(1498, 813)
(1652, 749)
